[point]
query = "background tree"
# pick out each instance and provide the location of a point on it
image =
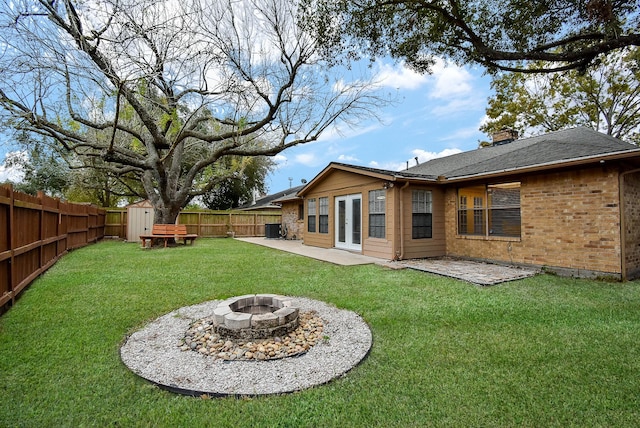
(238, 190)
(41, 169)
(164, 90)
(498, 34)
(100, 186)
(605, 98)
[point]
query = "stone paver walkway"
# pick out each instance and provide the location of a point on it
(475, 272)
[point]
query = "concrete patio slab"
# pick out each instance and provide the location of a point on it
(470, 271)
(331, 255)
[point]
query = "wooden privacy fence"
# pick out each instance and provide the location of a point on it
(35, 231)
(207, 224)
(224, 223)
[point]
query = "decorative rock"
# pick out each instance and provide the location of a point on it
(286, 315)
(215, 346)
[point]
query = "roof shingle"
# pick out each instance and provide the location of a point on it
(555, 147)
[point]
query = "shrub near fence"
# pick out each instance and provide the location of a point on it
(35, 231)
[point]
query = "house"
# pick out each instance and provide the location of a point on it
(270, 202)
(568, 201)
(289, 204)
(292, 209)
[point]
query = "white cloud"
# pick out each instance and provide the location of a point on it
(389, 166)
(12, 173)
(280, 159)
(307, 159)
(457, 105)
(346, 158)
(450, 81)
(335, 133)
(399, 76)
(424, 155)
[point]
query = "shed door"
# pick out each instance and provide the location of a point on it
(139, 222)
(349, 222)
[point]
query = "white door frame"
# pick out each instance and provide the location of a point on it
(348, 224)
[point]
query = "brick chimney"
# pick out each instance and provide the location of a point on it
(504, 136)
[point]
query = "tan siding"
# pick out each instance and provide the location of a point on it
(424, 247)
(341, 183)
(375, 247)
(570, 220)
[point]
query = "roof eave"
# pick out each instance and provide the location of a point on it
(343, 167)
(549, 165)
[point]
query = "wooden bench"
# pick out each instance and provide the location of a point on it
(167, 232)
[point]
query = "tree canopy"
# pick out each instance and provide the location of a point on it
(164, 90)
(498, 34)
(42, 172)
(236, 191)
(605, 98)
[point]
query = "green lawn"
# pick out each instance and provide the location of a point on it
(545, 351)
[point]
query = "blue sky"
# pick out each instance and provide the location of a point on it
(437, 115)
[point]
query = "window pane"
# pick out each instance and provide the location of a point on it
(421, 201)
(324, 206)
(342, 214)
(495, 210)
(377, 202)
(323, 217)
(356, 221)
(376, 226)
(421, 226)
(504, 195)
(463, 214)
(421, 214)
(504, 209)
(478, 216)
(504, 222)
(311, 218)
(377, 199)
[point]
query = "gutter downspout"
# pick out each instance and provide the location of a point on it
(401, 256)
(623, 241)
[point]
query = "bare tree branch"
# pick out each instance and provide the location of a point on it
(166, 89)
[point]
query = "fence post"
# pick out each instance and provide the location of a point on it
(12, 245)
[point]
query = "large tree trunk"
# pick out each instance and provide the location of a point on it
(166, 199)
(165, 214)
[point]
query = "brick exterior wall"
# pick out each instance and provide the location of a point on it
(570, 220)
(295, 227)
(632, 224)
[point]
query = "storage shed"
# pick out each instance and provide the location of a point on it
(139, 220)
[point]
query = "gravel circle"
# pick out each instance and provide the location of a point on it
(153, 353)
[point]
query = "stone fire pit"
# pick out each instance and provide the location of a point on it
(255, 316)
(156, 352)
